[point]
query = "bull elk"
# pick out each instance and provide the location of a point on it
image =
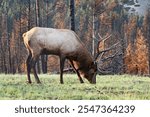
(63, 43)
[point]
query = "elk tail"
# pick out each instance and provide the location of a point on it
(24, 34)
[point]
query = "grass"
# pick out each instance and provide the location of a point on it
(109, 87)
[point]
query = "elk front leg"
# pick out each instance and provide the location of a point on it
(28, 63)
(62, 62)
(80, 79)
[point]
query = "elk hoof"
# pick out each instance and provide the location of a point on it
(39, 82)
(28, 82)
(81, 81)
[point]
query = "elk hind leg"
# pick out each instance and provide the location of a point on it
(33, 61)
(28, 64)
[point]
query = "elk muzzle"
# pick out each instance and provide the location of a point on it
(94, 79)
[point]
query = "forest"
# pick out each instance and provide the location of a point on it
(121, 39)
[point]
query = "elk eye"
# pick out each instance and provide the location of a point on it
(92, 73)
(85, 75)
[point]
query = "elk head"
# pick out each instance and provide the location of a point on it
(90, 75)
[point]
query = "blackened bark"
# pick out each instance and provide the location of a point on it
(38, 24)
(148, 36)
(37, 13)
(43, 60)
(72, 14)
(29, 12)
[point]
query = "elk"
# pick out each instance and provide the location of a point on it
(63, 43)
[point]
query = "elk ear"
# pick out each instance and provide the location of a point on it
(93, 64)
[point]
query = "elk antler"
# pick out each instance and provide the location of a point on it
(102, 40)
(101, 57)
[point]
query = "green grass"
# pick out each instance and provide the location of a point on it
(109, 87)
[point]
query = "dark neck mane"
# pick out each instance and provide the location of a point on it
(84, 60)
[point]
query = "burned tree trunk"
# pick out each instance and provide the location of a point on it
(72, 15)
(43, 60)
(29, 13)
(37, 24)
(148, 36)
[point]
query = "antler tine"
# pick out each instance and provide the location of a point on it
(102, 39)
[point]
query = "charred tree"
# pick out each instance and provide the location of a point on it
(38, 24)
(72, 14)
(43, 61)
(29, 13)
(148, 35)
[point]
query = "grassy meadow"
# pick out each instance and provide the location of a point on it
(108, 87)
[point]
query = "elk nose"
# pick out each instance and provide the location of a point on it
(94, 79)
(93, 83)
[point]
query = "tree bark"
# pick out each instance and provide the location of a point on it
(93, 34)
(148, 36)
(72, 14)
(29, 14)
(37, 13)
(38, 24)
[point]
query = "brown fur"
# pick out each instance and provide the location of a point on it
(80, 58)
